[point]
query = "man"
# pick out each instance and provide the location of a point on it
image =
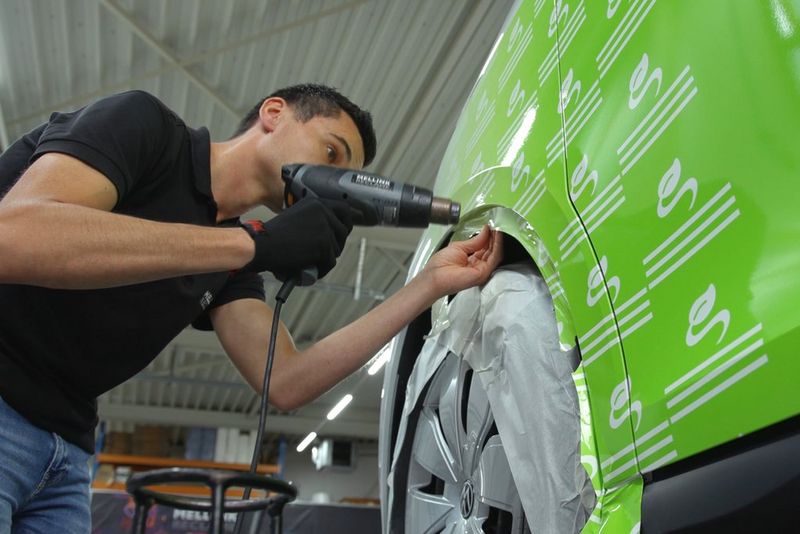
(119, 227)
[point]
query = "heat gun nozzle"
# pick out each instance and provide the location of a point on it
(444, 211)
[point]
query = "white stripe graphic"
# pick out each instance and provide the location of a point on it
(574, 132)
(616, 341)
(575, 224)
(703, 242)
(569, 35)
(556, 142)
(677, 111)
(725, 350)
(585, 339)
(594, 227)
(621, 469)
(591, 93)
(655, 448)
(649, 452)
(574, 23)
(691, 221)
(548, 63)
(480, 129)
(570, 31)
(589, 216)
(638, 324)
(720, 388)
(589, 357)
(606, 215)
(642, 11)
(603, 211)
(660, 131)
(610, 316)
(715, 373)
(613, 329)
(639, 442)
(647, 118)
(694, 233)
(685, 241)
(527, 37)
(584, 117)
(535, 191)
(614, 35)
(661, 461)
(538, 8)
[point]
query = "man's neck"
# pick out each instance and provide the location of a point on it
(233, 184)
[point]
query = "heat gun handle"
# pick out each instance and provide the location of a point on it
(305, 277)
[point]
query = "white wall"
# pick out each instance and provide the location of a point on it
(362, 481)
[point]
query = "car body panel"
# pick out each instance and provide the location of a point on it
(693, 216)
(646, 155)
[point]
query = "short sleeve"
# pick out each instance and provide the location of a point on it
(121, 136)
(239, 286)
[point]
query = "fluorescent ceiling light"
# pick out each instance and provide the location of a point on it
(341, 405)
(306, 441)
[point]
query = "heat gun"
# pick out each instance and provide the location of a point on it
(374, 200)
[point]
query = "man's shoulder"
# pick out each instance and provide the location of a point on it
(140, 101)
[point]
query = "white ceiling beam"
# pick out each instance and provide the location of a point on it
(156, 45)
(293, 425)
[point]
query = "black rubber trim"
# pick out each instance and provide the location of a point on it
(751, 484)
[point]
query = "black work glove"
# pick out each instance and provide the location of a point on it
(310, 233)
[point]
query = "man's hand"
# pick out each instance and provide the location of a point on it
(464, 264)
(310, 233)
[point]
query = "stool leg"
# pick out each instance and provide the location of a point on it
(276, 525)
(217, 509)
(275, 511)
(140, 517)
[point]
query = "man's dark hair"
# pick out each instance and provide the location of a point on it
(312, 100)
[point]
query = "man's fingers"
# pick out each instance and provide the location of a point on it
(475, 243)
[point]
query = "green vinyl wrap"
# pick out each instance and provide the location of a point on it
(646, 153)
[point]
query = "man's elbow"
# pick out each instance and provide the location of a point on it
(284, 397)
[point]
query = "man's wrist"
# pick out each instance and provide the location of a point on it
(424, 284)
(243, 247)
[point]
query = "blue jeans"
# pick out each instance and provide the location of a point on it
(44, 480)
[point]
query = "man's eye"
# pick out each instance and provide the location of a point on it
(331, 154)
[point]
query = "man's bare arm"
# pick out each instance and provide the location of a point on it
(56, 230)
(299, 377)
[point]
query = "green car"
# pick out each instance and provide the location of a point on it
(644, 156)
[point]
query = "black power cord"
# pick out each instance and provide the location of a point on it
(305, 278)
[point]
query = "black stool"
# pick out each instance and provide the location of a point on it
(218, 481)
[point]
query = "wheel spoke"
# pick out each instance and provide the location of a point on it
(430, 449)
(473, 525)
(479, 421)
(449, 404)
(495, 484)
(425, 513)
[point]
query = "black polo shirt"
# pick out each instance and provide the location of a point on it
(60, 349)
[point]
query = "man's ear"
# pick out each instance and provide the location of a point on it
(270, 112)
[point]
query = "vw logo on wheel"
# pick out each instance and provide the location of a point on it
(467, 499)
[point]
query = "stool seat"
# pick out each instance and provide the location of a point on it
(218, 481)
